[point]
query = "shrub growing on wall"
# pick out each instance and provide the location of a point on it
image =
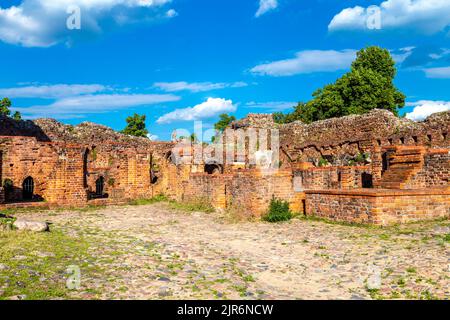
(278, 211)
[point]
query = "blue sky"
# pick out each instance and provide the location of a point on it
(183, 60)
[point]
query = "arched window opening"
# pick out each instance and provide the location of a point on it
(154, 170)
(28, 189)
(99, 187)
(213, 169)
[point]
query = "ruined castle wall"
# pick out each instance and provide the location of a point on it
(66, 162)
(324, 178)
(337, 139)
(435, 171)
(209, 188)
(379, 207)
(52, 167)
(248, 191)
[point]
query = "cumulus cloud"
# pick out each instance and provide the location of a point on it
(196, 86)
(75, 107)
(272, 106)
(425, 108)
(438, 73)
(266, 6)
(43, 23)
(52, 91)
(208, 109)
(308, 61)
(426, 16)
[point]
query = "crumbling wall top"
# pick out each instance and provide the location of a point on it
(255, 120)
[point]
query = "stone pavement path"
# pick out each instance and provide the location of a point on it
(154, 252)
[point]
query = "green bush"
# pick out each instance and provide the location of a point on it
(8, 184)
(278, 211)
(323, 162)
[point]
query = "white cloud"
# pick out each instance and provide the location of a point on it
(93, 104)
(308, 61)
(196, 86)
(425, 108)
(427, 16)
(266, 6)
(272, 106)
(42, 23)
(438, 73)
(51, 91)
(171, 13)
(208, 109)
(153, 137)
(402, 54)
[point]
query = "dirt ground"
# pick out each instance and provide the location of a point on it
(156, 252)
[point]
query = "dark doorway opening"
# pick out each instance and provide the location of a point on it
(213, 169)
(99, 187)
(385, 162)
(367, 181)
(28, 189)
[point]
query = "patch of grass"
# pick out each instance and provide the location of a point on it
(314, 218)
(411, 270)
(401, 282)
(427, 295)
(385, 236)
(248, 278)
(198, 205)
(143, 202)
(6, 222)
(278, 211)
(447, 238)
(36, 263)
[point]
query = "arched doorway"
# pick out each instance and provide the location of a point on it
(213, 169)
(28, 189)
(99, 187)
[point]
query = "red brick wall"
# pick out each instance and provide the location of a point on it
(435, 171)
(332, 177)
(251, 191)
(57, 169)
(380, 207)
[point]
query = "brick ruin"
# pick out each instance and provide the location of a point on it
(374, 168)
(47, 163)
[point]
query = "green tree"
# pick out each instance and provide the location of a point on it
(17, 116)
(136, 126)
(224, 122)
(5, 104)
(369, 85)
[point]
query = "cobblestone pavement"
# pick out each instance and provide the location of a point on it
(154, 252)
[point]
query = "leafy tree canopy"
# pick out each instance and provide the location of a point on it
(5, 104)
(17, 116)
(136, 126)
(224, 122)
(369, 85)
